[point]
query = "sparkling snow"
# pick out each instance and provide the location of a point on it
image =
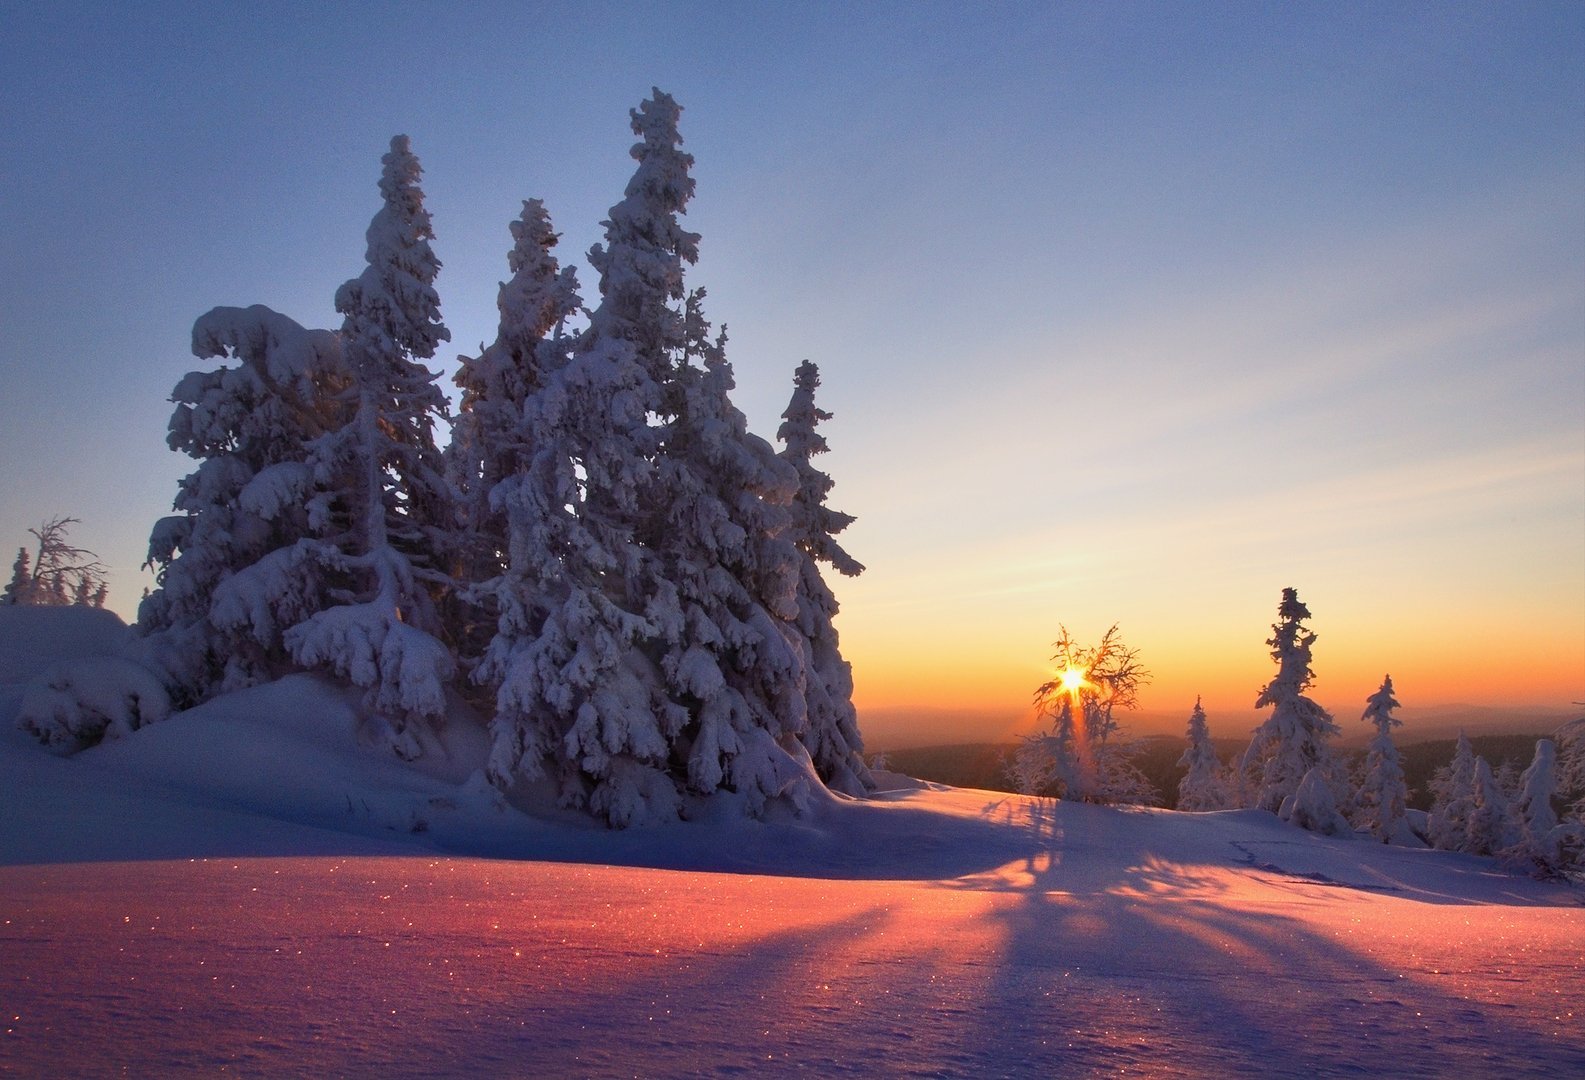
(249, 887)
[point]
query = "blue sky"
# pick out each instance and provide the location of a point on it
(1128, 312)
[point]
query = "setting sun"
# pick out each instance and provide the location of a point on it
(1073, 680)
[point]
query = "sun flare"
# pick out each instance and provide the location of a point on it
(1073, 680)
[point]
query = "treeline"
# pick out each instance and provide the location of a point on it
(1159, 758)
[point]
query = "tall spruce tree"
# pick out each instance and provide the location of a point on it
(1293, 739)
(575, 657)
(388, 544)
(832, 733)
(1384, 796)
(489, 439)
(732, 655)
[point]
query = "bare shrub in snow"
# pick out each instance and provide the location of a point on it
(56, 572)
(1080, 756)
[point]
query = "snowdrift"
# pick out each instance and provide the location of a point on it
(261, 886)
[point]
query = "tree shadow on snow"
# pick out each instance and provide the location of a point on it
(1136, 960)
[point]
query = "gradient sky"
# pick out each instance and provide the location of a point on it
(1128, 313)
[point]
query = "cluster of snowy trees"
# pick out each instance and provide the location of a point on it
(602, 559)
(1292, 769)
(56, 572)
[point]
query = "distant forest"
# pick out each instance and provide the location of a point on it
(982, 765)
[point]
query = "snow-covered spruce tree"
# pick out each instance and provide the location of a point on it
(489, 438)
(1077, 756)
(1201, 788)
(1312, 806)
(1293, 739)
(1546, 847)
(248, 423)
(832, 736)
(1491, 827)
(732, 654)
(575, 655)
(20, 588)
(1453, 798)
(1384, 796)
(381, 506)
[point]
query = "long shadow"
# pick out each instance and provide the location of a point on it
(1161, 967)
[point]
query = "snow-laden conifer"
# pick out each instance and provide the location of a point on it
(1312, 806)
(19, 589)
(1384, 796)
(733, 657)
(381, 506)
(1545, 846)
(1491, 828)
(832, 735)
(1453, 798)
(488, 437)
(231, 566)
(1201, 787)
(1293, 739)
(577, 689)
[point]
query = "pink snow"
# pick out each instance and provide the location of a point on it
(1150, 942)
(253, 886)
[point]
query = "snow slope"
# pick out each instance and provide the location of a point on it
(248, 886)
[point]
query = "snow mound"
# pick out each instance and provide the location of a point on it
(34, 637)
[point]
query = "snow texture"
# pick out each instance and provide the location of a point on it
(265, 891)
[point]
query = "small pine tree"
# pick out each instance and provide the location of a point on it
(1571, 765)
(733, 658)
(20, 588)
(1201, 788)
(1293, 739)
(1453, 798)
(1312, 806)
(1491, 828)
(1383, 798)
